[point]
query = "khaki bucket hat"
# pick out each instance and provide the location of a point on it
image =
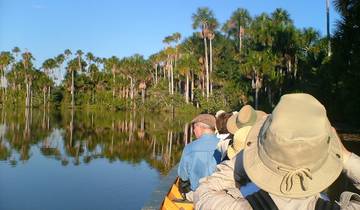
(294, 152)
(238, 142)
(245, 117)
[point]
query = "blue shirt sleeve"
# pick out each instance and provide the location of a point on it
(183, 172)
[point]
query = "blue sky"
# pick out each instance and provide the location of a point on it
(125, 27)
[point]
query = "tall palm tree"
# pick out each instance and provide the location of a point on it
(59, 61)
(201, 19)
(16, 51)
(170, 53)
(5, 60)
(48, 65)
(79, 53)
(27, 65)
(187, 64)
(236, 25)
(281, 17)
(328, 27)
(90, 58)
(112, 65)
(261, 29)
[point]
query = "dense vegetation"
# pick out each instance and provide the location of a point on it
(248, 59)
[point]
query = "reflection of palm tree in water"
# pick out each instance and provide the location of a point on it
(167, 153)
(27, 123)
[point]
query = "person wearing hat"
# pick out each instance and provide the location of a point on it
(247, 116)
(223, 134)
(200, 157)
(291, 155)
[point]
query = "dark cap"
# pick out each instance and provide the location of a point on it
(207, 119)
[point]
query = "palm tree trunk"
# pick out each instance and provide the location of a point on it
(192, 86)
(72, 90)
(240, 40)
(131, 88)
(49, 95)
(27, 100)
(187, 88)
(44, 95)
(156, 74)
(256, 97)
(328, 27)
(31, 94)
(172, 78)
(206, 69)
(113, 72)
(168, 69)
(143, 95)
(210, 66)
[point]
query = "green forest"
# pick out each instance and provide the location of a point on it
(249, 59)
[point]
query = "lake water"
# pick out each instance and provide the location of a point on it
(90, 160)
(85, 160)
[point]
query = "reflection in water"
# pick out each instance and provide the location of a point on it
(81, 137)
(72, 146)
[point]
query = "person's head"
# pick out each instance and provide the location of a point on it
(218, 113)
(294, 152)
(221, 122)
(202, 124)
(247, 116)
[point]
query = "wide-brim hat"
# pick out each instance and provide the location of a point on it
(238, 142)
(294, 152)
(247, 116)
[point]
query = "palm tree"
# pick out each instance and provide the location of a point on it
(112, 65)
(187, 63)
(261, 29)
(328, 27)
(90, 58)
(48, 65)
(27, 65)
(59, 61)
(79, 53)
(281, 18)
(71, 68)
(16, 51)
(236, 25)
(5, 60)
(201, 19)
(170, 53)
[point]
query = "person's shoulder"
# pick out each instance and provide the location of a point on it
(190, 146)
(210, 136)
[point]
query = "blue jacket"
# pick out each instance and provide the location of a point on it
(199, 159)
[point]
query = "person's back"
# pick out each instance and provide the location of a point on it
(200, 157)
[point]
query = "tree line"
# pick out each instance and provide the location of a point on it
(247, 59)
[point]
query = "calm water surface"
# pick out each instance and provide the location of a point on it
(92, 160)
(85, 160)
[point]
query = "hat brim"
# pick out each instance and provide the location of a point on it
(231, 152)
(231, 124)
(270, 181)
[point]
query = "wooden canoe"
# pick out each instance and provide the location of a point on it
(173, 200)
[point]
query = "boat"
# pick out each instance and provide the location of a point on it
(174, 200)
